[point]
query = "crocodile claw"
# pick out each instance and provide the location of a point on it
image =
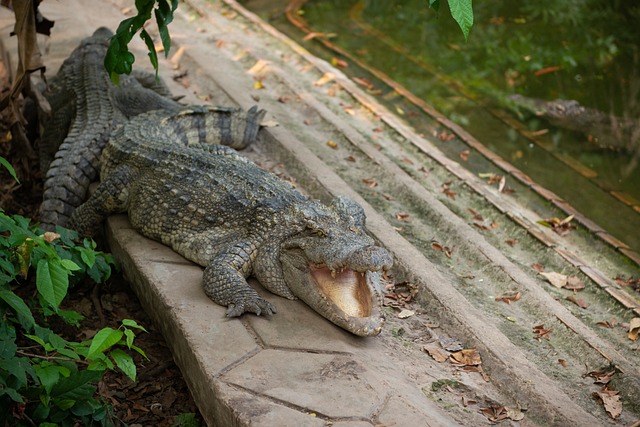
(257, 306)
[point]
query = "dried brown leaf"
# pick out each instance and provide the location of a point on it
(574, 284)
(467, 357)
(511, 242)
(537, 267)
(578, 301)
(510, 296)
(556, 279)
(464, 155)
(611, 401)
(332, 144)
(438, 354)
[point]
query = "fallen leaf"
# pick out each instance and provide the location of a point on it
(350, 158)
(510, 296)
(370, 182)
(464, 155)
(556, 279)
(445, 136)
(436, 352)
(608, 323)
(363, 82)
(437, 246)
(574, 284)
(402, 216)
(378, 129)
(258, 85)
(611, 401)
(475, 214)
(601, 377)
(540, 332)
(560, 227)
(466, 357)
(446, 190)
(511, 242)
(326, 78)
(514, 414)
(502, 183)
(578, 301)
(50, 236)
(562, 362)
(340, 63)
(283, 99)
(537, 267)
(634, 329)
(495, 413)
(406, 313)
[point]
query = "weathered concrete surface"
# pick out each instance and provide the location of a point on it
(295, 368)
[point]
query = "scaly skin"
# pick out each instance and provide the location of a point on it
(223, 212)
(86, 107)
(608, 131)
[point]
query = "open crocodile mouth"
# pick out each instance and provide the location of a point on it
(347, 289)
(348, 298)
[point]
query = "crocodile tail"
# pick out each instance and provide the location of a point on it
(232, 127)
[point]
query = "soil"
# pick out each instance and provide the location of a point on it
(159, 396)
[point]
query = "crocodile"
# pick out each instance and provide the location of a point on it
(86, 108)
(221, 211)
(607, 130)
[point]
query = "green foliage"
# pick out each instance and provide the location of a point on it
(8, 166)
(119, 60)
(186, 420)
(461, 11)
(44, 378)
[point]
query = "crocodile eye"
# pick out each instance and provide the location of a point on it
(316, 231)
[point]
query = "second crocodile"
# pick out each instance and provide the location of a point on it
(221, 211)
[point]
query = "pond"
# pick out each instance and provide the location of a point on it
(585, 147)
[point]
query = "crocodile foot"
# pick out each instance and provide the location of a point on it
(257, 305)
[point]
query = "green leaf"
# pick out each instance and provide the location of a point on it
(133, 324)
(8, 166)
(124, 362)
(153, 55)
(13, 394)
(74, 385)
(462, 12)
(103, 340)
(129, 337)
(88, 256)
(8, 345)
(52, 281)
(17, 366)
(48, 376)
(15, 302)
(69, 265)
(71, 317)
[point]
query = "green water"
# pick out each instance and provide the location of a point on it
(586, 51)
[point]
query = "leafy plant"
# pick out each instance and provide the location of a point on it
(8, 167)
(461, 11)
(46, 379)
(119, 60)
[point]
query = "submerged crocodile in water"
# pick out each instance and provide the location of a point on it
(607, 130)
(221, 211)
(86, 108)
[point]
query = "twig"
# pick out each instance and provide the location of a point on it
(39, 356)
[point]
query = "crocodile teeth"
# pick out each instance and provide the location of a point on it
(333, 274)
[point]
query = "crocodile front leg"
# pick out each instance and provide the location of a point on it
(225, 281)
(268, 271)
(110, 197)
